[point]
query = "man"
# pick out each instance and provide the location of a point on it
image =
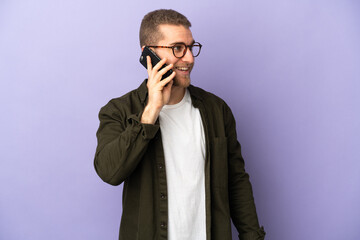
(175, 148)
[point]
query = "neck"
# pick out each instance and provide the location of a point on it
(177, 94)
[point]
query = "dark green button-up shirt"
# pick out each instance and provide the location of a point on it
(131, 152)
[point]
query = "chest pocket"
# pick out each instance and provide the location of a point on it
(219, 162)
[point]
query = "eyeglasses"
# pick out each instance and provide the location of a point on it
(179, 49)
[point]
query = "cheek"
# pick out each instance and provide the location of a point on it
(172, 60)
(162, 53)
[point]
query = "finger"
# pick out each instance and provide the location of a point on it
(169, 85)
(167, 79)
(160, 64)
(149, 66)
(165, 69)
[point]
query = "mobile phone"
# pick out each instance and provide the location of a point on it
(154, 60)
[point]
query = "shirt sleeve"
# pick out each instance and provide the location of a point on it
(242, 205)
(122, 142)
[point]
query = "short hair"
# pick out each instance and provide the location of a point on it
(149, 28)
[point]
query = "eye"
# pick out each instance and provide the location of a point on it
(178, 48)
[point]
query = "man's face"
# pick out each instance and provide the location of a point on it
(182, 66)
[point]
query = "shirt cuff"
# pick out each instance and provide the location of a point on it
(148, 131)
(255, 235)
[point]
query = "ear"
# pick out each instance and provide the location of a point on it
(142, 48)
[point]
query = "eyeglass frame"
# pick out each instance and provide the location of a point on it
(186, 48)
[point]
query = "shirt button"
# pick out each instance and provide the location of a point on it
(163, 196)
(163, 224)
(161, 166)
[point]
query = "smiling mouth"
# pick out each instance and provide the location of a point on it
(184, 69)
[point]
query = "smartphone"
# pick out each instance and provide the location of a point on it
(154, 60)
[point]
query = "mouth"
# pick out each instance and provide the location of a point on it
(184, 70)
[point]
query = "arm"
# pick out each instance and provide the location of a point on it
(122, 138)
(122, 141)
(242, 206)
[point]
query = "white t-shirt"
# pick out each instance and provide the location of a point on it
(183, 140)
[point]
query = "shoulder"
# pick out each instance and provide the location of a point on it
(207, 98)
(215, 106)
(128, 103)
(218, 113)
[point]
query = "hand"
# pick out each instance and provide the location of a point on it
(159, 91)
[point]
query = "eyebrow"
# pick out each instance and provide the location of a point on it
(193, 41)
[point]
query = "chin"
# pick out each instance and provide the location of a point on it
(182, 82)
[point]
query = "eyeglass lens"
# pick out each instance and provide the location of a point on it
(180, 50)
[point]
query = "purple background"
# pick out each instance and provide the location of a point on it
(289, 70)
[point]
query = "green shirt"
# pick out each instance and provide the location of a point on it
(131, 152)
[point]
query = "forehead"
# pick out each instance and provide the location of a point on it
(175, 33)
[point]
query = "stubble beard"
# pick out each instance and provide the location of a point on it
(183, 82)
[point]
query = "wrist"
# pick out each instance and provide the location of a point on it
(150, 114)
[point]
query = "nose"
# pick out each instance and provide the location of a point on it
(188, 57)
